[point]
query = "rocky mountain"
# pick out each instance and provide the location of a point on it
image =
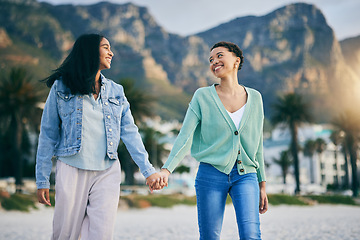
(290, 49)
(351, 52)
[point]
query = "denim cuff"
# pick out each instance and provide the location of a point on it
(148, 172)
(43, 185)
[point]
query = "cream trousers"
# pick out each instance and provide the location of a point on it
(86, 202)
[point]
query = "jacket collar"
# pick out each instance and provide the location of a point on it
(103, 79)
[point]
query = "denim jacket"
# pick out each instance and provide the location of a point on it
(61, 126)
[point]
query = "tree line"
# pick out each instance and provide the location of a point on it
(20, 110)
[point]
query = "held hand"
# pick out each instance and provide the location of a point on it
(153, 181)
(164, 173)
(263, 205)
(44, 196)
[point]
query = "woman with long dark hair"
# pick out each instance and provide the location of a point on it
(84, 118)
(223, 127)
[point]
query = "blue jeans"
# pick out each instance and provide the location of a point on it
(212, 188)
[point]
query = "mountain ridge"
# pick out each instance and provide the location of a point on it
(291, 49)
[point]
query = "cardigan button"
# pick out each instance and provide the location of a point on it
(239, 162)
(239, 152)
(236, 132)
(242, 170)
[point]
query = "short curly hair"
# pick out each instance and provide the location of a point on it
(232, 47)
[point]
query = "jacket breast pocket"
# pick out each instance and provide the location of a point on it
(117, 105)
(66, 103)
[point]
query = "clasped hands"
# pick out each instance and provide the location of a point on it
(158, 181)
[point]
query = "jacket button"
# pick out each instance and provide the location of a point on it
(236, 132)
(239, 162)
(242, 170)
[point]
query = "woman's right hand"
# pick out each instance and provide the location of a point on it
(43, 196)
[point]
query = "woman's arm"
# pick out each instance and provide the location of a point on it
(183, 141)
(131, 137)
(48, 138)
(181, 146)
(263, 204)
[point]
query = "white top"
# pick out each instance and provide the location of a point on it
(92, 155)
(237, 116)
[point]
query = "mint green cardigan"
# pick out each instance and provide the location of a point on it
(213, 138)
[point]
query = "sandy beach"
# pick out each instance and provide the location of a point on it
(180, 223)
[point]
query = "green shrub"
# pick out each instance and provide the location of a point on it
(20, 202)
(277, 199)
(332, 199)
(24, 202)
(165, 201)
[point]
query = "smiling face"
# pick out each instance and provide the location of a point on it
(105, 54)
(223, 62)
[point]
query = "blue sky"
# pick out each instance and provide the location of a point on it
(186, 17)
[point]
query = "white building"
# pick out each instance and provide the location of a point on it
(327, 168)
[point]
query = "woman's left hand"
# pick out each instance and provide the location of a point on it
(264, 203)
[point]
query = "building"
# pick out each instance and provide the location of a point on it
(316, 172)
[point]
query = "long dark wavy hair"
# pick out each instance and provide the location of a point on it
(79, 69)
(232, 47)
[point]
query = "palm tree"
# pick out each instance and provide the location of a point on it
(348, 122)
(141, 107)
(127, 164)
(140, 102)
(155, 149)
(344, 149)
(292, 111)
(309, 150)
(284, 162)
(320, 148)
(336, 139)
(18, 106)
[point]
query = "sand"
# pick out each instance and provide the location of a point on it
(180, 223)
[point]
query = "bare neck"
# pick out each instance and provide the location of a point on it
(97, 85)
(229, 85)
